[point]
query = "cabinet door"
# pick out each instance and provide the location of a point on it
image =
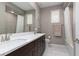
(35, 48)
(35, 51)
(23, 51)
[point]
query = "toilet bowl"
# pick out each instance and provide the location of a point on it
(47, 42)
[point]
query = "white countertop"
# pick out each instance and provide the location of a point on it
(17, 42)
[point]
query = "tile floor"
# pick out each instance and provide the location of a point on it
(55, 50)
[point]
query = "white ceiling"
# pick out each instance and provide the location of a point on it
(47, 4)
(27, 6)
(23, 5)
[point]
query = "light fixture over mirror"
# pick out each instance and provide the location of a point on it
(12, 12)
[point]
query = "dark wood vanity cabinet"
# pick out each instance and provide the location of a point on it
(35, 48)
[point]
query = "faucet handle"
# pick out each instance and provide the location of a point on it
(2, 38)
(8, 36)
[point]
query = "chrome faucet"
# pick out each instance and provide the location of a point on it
(7, 37)
(2, 38)
(35, 30)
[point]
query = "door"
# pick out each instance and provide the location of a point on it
(20, 24)
(76, 21)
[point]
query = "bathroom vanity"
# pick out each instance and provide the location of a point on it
(33, 45)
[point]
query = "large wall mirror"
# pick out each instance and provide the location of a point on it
(16, 17)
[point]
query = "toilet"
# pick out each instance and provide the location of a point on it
(47, 42)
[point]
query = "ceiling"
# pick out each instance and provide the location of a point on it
(47, 4)
(27, 6)
(23, 5)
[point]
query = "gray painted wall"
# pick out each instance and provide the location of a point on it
(2, 18)
(11, 22)
(46, 26)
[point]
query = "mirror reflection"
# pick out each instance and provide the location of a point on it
(22, 17)
(16, 17)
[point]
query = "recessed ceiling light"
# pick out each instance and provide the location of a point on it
(12, 11)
